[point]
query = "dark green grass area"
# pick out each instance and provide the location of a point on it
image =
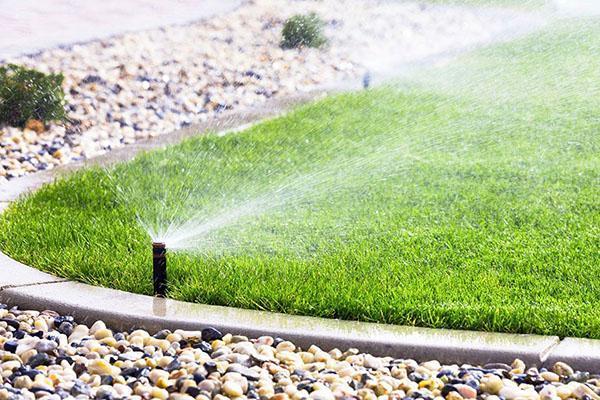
(468, 198)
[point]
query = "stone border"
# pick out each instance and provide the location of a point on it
(30, 288)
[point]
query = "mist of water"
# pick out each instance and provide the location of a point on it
(342, 173)
(579, 8)
(186, 218)
(181, 218)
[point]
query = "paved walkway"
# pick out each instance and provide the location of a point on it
(27, 26)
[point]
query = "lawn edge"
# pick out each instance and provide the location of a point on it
(29, 288)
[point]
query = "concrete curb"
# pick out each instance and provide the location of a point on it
(28, 287)
(125, 311)
(583, 354)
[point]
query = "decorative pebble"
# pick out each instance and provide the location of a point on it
(466, 391)
(562, 369)
(322, 394)
(232, 389)
(210, 334)
(372, 362)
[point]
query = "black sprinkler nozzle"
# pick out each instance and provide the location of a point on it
(159, 268)
(366, 81)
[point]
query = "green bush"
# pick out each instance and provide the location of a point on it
(303, 30)
(29, 94)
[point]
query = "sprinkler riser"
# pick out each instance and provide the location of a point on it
(366, 81)
(159, 269)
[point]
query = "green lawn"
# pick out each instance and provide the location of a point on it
(468, 198)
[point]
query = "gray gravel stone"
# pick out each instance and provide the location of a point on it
(95, 362)
(140, 85)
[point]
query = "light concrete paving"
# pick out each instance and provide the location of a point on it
(27, 26)
(126, 311)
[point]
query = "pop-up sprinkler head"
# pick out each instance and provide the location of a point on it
(159, 268)
(366, 81)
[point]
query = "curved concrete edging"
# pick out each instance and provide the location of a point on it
(30, 288)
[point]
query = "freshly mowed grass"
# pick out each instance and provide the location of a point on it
(467, 199)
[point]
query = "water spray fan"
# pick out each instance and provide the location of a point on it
(159, 268)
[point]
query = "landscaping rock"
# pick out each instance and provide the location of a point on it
(137, 365)
(144, 84)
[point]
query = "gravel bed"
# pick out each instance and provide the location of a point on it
(48, 356)
(139, 85)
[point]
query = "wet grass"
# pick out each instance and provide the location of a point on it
(468, 199)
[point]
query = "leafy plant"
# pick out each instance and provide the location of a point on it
(30, 94)
(303, 30)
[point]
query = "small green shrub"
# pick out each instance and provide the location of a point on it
(29, 94)
(303, 30)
